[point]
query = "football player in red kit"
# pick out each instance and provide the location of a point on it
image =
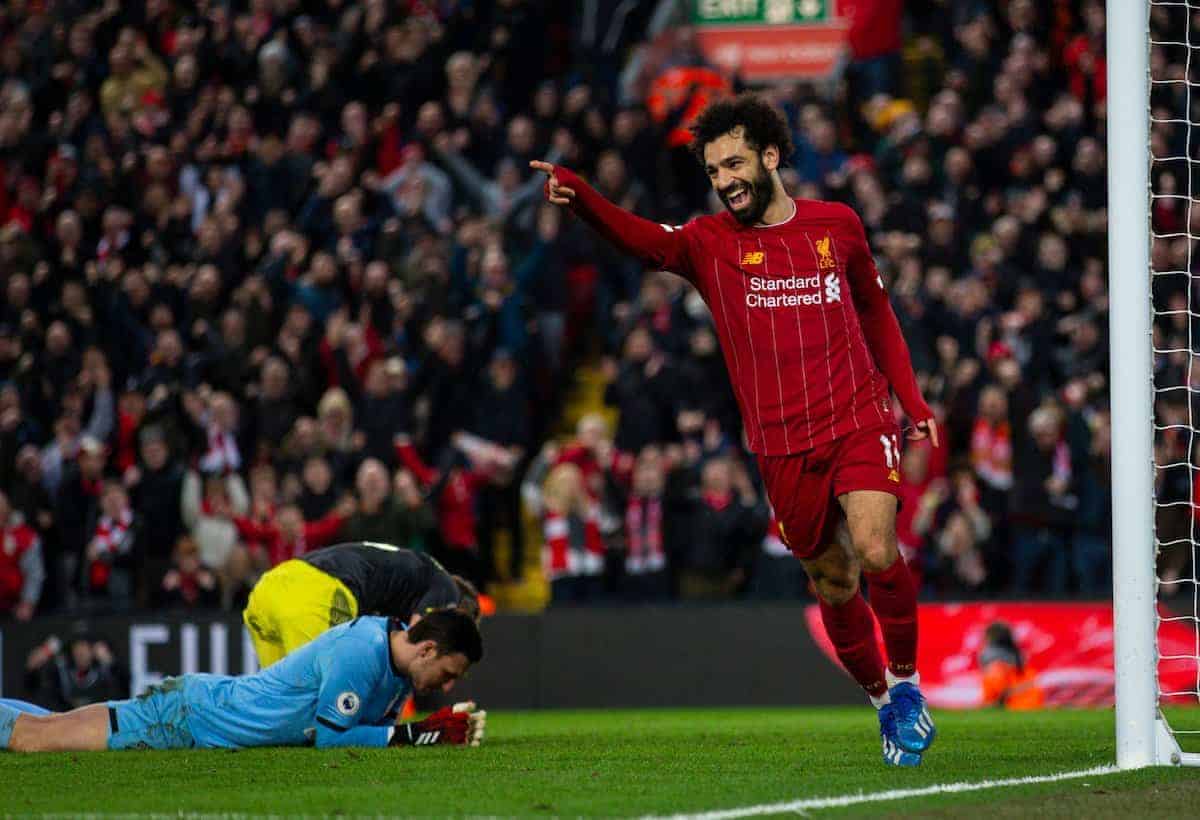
(814, 351)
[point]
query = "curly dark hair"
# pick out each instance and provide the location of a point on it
(763, 124)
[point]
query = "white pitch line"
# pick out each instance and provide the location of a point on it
(817, 803)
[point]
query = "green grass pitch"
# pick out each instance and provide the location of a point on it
(624, 763)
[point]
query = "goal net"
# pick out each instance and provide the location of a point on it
(1172, 609)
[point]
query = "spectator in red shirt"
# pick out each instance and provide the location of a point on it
(110, 553)
(573, 552)
(188, 584)
(454, 487)
(646, 531)
(1084, 57)
(874, 45)
(286, 535)
(348, 349)
(991, 441)
(131, 409)
(593, 452)
(21, 569)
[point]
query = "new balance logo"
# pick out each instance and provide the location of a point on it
(427, 738)
(753, 258)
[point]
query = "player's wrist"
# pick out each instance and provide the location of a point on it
(921, 406)
(418, 733)
(459, 725)
(401, 735)
(567, 178)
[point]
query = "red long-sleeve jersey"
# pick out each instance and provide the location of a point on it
(806, 328)
(455, 503)
(319, 533)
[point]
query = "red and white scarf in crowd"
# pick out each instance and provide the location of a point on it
(561, 557)
(991, 453)
(112, 534)
(111, 538)
(644, 536)
(223, 455)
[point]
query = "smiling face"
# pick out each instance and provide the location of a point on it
(741, 175)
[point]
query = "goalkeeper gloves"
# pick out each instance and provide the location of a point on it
(458, 725)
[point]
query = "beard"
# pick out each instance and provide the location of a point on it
(759, 190)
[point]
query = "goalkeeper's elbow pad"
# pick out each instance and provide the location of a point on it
(459, 725)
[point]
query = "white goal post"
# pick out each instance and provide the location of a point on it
(1143, 735)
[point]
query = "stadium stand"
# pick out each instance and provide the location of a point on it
(245, 246)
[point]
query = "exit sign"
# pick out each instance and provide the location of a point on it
(768, 40)
(760, 12)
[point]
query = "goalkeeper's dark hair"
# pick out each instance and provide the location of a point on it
(452, 630)
(762, 124)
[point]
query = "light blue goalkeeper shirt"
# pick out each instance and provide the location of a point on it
(340, 689)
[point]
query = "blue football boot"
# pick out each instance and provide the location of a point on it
(893, 753)
(914, 725)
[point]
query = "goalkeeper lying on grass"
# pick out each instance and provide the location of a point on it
(342, 689)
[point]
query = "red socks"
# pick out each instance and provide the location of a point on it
(894, 599)
(852, 632)
(851, 628)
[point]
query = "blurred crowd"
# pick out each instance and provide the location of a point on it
(276, 274)
(62, 676)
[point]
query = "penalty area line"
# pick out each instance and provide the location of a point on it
(818, 803)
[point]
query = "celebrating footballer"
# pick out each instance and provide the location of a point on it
(814, 351)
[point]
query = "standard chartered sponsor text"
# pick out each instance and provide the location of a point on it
(764, 292)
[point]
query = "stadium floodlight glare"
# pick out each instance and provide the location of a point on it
(1144, 735)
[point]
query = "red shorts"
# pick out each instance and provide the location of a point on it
(804, 487)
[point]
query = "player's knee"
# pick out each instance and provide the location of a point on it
(876, 552)
(836, 588)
